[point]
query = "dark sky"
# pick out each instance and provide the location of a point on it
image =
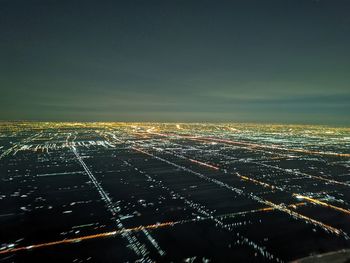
(253, 61)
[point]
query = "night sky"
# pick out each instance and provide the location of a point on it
(206, 61)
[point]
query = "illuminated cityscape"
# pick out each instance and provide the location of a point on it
(174, 131)
(180, 192)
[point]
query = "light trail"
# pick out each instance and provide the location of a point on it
(310, 220)
(204, 164)
(88, 237)
(246, 178)
(265, 209)
(315, 201)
